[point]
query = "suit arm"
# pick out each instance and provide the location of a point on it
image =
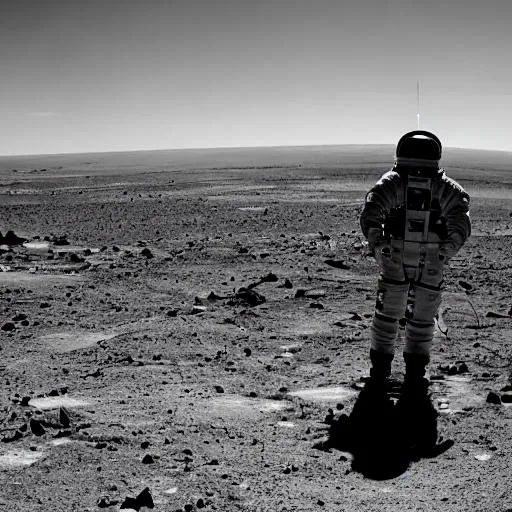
(378, 202)
(456, 213)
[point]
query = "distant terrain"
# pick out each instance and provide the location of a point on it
(181, 329)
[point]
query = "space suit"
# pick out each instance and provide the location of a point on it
(415, 219)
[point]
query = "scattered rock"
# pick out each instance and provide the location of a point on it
(462, 367)
(219, 389)
(467, 286)
(247, 351)
(11, 239)
(148, 459)
(59, 240)
(19, 317)
(107, 502)
(197, 309)
(269, 278)
(251, 297)
(144, 499)
(337, 264)
(492, 314)
(64, 417)
(456, 368)
(452, 369)
(493, 398)
(74, 258)
(316, 305)
(8, 327)
(36, 428)
(506, 397)
(147, 253)
(130, 503)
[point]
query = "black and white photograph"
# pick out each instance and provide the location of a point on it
(255, 256)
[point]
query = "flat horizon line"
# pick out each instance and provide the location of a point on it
(214, 148)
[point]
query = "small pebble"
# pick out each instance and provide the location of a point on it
(506, 397)
(493, 398)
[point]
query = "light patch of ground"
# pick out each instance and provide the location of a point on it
(327, 394)
(54, 402)
(15, 459)
(67, 341)
(303, 326)
(61, 441)
(286, 424)
(252, 208)
(17, 279)
(37, 246)
(239, 406)
(455, 394)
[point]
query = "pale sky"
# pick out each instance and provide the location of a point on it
(113, 75)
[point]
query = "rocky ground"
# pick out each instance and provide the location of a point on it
(184, 337)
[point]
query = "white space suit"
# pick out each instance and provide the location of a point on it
(415, 219)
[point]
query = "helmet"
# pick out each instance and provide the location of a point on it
(419, 145)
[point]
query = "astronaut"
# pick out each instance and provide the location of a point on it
(415, 219)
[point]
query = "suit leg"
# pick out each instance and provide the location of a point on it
(419, 330)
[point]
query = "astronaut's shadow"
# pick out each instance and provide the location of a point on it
(384, 437)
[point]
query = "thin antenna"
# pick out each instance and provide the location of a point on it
(418, 102)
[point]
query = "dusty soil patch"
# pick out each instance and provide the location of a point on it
(68, 341)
